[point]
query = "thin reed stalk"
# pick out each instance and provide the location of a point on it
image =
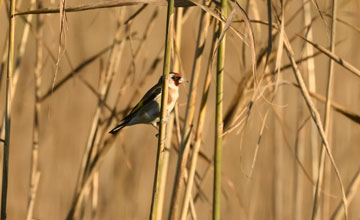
(200, 124)
(163, 112)
(77, 70)
(312, 89)
(219, 118)
(179, 23)
(3, 61)
(104, 4)
(169, 129)
(9, 75)
(179, 12)
(316, 118)
(184, 147)
(20, 55)
(350, 195)
(176, 67)
(17, 64)
(300, 146)
(208, 160)
(106, 143)
(94, 139)
(278, 143)
(327, 117)
(94, 167)
(35, 173)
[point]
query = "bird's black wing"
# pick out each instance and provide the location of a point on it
(148, 97)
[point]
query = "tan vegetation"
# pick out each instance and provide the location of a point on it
(286, 109)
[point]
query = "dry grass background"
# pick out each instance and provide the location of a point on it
(277, 189)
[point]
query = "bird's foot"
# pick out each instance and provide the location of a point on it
(164, 138)
(165, 119)
(155, 126)
(166, 149)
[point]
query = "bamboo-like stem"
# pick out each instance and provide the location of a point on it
(199, 131)
(95, 196)
(9, 75)
(208, 160)
(298, 192)
(312, 89)
(279, 98)
(219, 118)
(35, 173)
(184, 148)
(179, 24)
(178, 30)
(321, 170)
(300, 145)
(169, 129)
(17, 63)
(163, 112)
(301, 134)
(3, 61)
(177, 68)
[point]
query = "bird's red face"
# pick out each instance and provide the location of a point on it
(176, 78)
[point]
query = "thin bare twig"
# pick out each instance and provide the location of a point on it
(104, 4)
(334, 57)
(322, 170)
(316, 118)
(350, 195)
(35, 173)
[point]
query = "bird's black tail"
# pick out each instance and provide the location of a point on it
(117, 129)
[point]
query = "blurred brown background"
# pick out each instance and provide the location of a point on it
(277, 189)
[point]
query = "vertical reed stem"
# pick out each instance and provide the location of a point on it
(163, 113)
(184, 147)
(169, 129)
(35, 173)
(179, 22)
(327, 116)
(201, 119)
(9, 74)
(301, 138)
(219, 118)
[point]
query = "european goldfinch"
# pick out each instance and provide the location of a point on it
(147, 111)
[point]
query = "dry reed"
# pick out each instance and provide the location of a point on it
(271, 127)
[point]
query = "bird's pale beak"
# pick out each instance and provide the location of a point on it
(183, 80)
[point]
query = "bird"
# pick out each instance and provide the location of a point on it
(147, 111)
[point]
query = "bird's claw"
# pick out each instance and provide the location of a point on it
(163, 140)
(165, 119)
